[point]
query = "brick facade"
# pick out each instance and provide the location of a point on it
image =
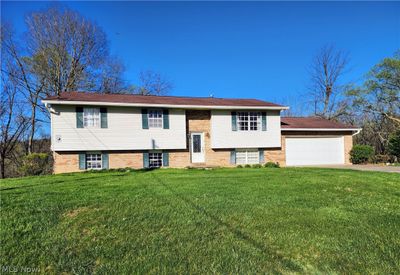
(196, 121)
(348, 145)
(125, 159)
(66, 162)
(276, 154)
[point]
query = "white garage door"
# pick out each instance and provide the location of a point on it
(314, 150)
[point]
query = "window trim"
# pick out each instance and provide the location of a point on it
(85, 113)
(246, 151)
(153, 119)
(250, 114)
(94, 153)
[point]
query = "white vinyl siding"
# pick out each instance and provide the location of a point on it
(247, 156)
(124, 131)
(93, 161)
(155, 118)
(223, 137)
(91, 117)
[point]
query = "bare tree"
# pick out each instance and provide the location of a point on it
(326, 91)
(297, 106)
(61, 51)
(111, 80)
(16, 69)
(152, 83)
(67, 50)
(12, 122)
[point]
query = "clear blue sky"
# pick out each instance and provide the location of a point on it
(237, 49)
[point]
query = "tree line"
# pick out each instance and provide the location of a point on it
(64, 51)
(373, 105)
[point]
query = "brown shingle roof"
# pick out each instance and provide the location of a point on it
(311, 123)
(162, 100)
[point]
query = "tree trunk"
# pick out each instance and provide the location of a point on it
(2, 167)
(33, 129)
(328, 92)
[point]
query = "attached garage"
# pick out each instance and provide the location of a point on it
(316, 141)
(314, 150)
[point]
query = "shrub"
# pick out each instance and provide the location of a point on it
(361, 154)
(35, 164)
(239, 166)
(125, 170)
(256, 166)
(381, 159)
(247, 166)
(394, 144)
(271, 164)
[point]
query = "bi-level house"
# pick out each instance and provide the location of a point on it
(100, 131)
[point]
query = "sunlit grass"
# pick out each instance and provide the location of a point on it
(195, 221)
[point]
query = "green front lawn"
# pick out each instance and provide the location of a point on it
(196, 221)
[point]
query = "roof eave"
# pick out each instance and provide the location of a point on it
(222, 107)
(320, 129)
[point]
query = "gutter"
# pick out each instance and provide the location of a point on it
(358, 130)
(118, 104)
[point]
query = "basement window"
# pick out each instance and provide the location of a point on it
(155, 159)
(247, 156)
(93, 161)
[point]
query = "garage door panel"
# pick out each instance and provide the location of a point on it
(314, 151)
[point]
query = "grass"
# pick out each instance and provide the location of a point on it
(297, 220)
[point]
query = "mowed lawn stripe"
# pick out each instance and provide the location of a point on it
(285, 220)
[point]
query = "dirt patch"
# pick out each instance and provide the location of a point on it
(75, 212)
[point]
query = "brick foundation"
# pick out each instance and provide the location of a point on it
(66, 162)
(276, 154)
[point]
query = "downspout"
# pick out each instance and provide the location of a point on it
(50, 109)
(357, 132)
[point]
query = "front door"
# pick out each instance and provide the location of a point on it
(197, 147)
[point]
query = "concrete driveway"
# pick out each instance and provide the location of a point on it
(367, 167)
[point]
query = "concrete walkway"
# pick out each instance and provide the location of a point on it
(367, 167)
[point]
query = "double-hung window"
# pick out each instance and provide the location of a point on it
(249, 121)
(247, 157)
(91, 117)
(93, 161)
(155, 119)
(155, 159)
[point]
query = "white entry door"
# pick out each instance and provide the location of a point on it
(314, 150)
(197, 147)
